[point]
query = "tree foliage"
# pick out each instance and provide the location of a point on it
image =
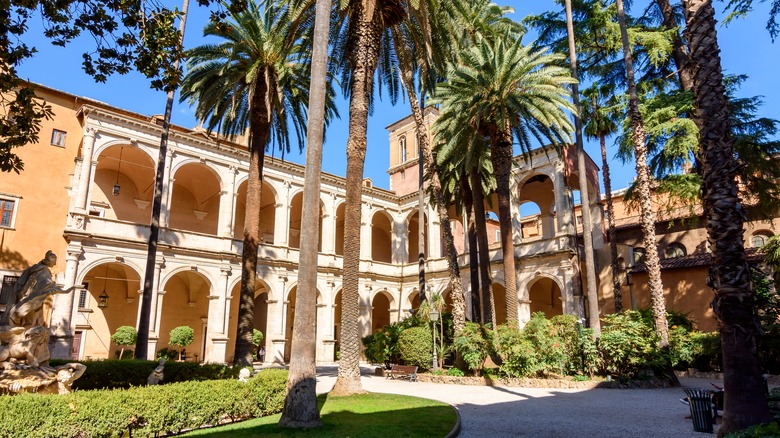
(182, 336)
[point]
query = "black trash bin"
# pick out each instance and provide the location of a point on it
(700, 402)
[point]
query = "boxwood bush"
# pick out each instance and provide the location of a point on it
(415, 346)
(110, 374)
(142, 411)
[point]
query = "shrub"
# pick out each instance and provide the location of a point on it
(519, 356)
(111, 374)
(627, 344)
(415, 345)
(124, 336)
(455, 372)
(137, 411)
(167, 353)
(257, 337)
(382, 345)
(474, 343)
(768, 306)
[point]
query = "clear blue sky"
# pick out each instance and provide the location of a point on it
(745, 45)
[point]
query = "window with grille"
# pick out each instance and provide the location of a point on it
(639, 255)
(8, 288)
(674, 250)
(760, 239)
(58, 137)
(7, 209)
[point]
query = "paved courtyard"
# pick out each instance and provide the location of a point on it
(497, 412)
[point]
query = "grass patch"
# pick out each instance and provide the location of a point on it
(366, 415)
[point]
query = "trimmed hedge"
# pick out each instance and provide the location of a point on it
(111, 374)
(416, 347)
(142, 411)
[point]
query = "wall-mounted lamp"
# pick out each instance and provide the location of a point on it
(115, 192)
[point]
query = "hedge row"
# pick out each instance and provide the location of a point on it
(111, 374)
(142, 411)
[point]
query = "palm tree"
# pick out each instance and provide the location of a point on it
(599, 125)
(745, 402)
(638, 137)
(300, 405)
(367, 19)
(503, 90)
(256, 78)
(587, 223)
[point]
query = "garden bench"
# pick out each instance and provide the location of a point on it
(403, 372)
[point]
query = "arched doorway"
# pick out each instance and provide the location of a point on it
(109, 301)
(260, 315)
(290, 319)
(296, 210)
(267, 213)
(545, 296)
(123, 182)
(380, 310)
(413, 224)
(381, 240)
(186, 303)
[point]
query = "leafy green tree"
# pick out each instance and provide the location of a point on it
(182, 336)
(255, 80)
(124, 336)
(504, 90)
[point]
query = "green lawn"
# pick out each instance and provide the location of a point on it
(367, 415)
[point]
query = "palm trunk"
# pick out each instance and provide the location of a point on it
(680, 53)
(486, 283)
(638, 136)
(363, 59)
(613, 251)
(745, 401)
(587, 222)
(407, 76)
(471, 224)
(259, 129)
(300, 404)
(501, 154)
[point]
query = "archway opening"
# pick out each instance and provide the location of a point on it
(545, 296)
(260, 316)
(186, 303)
(119, 285)
(499, 302)
(195, 199)
(537, 202)
(124, 177)
(290, 320)
(267, 213)
(413, 227)
(296, 210)
(340, 229)
(380, 311)
(381, 240)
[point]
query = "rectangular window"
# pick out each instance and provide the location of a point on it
(58, 137)
(7, 207)
(83, 293)
(8, 288)
(498, 236)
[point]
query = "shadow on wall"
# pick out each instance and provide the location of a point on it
(13, 260)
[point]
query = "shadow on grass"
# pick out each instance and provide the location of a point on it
(367, 415)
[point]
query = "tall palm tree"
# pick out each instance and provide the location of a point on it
(587, 223)
(367, 20)
(300, 405)
(638, 137)
(745, 401)
(503, 90)
(257, 77)
(599, 125)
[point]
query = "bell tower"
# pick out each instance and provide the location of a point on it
(404, 150)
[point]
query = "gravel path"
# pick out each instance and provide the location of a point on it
(498, 412)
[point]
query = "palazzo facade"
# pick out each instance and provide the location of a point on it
(86, 193)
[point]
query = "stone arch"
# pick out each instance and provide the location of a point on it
(294, 224)
(122, 187)
(537, 201)
(86, 267)
(381, 237)
(186, 303)
(120, 283)
(262, 295)
(195, 198)
(176, 166)
(268, 202)
(412, 236)
(289, 320)
(545, 293)
(381, 306)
